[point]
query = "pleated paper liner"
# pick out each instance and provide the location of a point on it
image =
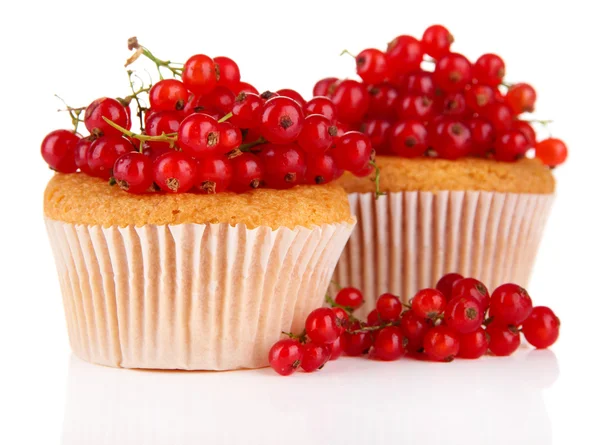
(406, 241)
(190, 296)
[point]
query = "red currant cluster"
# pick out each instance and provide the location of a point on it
(205, 130)
(458, 318)
(451, 109)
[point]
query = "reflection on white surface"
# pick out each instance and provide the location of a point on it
(489, 401)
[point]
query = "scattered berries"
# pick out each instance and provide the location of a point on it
(510, 304)
(541, 327)
(286, 356)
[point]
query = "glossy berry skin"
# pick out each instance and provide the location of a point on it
(213, 174)
(446, 283)
(219, 101)
(510, 304)
(503, 340)
(452, 73)
(521, 98)
(355, 344)
(436, 41)
(551, 151)
(351, 100)
(292, 94)
(542, 327)
(133, 172)
(244, 87)
(168, 95)
(199, 74)
(373, 318)
(470, 287)
(317, 135)
(478, 97)
(342, 315)
(474, 344)
(324, 87)
(414, 329)
(323, 326)
(464, 314)
(228, 72)
(482, 136)
(408, 139)
(58, 150)
(441, 344)
(320, 105)
(382, 101)
(415, 108)
(284, 165)
(428, 303)
(500, 116)
(388, 307)
(247, 110)
(378, 131)
(175, 172)
(489, 70)
(350, 297)
(315, 356)
(454, 140)
(104, 152)
(336, 349)
(389, 344)
(81, 154)
(286, 356)
(320, 169)
(230, 137)
(455, 105)
(371, 66)
(527, 130)
(248, 173)
(162, 122)
(419, 83)
(404, 54)
(282, 120)
(110, 109)
(352, 151)
(510, 146)
(198, 135)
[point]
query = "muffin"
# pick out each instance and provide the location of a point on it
(477, 217)
(190, 281)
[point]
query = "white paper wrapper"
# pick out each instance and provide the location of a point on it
(406, 241)
(189, 296)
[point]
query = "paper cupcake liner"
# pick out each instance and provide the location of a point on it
(406, 241)
(189, 296)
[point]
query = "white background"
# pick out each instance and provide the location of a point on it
(77, 49)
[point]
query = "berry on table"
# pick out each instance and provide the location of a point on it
(474, 344)
(441, 343)
(503, 339)
(356, 343)
(336, 349)
(542, 327)
(414, 329)
(286, 356)
(510, 304)
(314, 357)
(428, 303)
(323, 326)
(389, 307)
(472, 288)
(464, 314)
(389, 344)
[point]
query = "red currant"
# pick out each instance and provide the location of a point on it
(320, 169)
(248, 173)
(388, 307)
(510, 146)
(199, 74)
(352, 151)
(175, 172)
(213, 174)
(404, 54)
(378, 132)
(428, 303)
(510, 304)
(247, 110)
(527, 130)
(317, 135)
(351, 100)
(500, 116)
(415, 108)
(474, 344)
(408, 139)
(356, 343)
(282, 120)
(322, 326)
(454, 105)
(230, 137)
(110, 109)
(81, 154)
(324, 87)
(470, 287)
(541, 327)
(503, 340)
(482, 136)
(342, 316)
(162, 122)
(244, 87)
(219, 101)
(286, 356)
(452, 72)
(133, 172)
(153, 151)
(292, 94)
(464, 314)
(373, 318)
(436, 41)
(168, 95)
(350, 297)
(419, 83)
(389, 344)
(489, 70)
(58, 150)
(320, 105)
(551, 152)
(315, 356)
(227, 72)
(478, 97)
(371, 66)
(104, 152)
(446, 283)
(521, 98)
(441, 343)
(414, 329)
(336, 349)
(454, 141)
(284, 165)
(198, 135)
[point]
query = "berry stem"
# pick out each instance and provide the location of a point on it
(250, 145)
(134, 96)
(171, 138)
(374, 328)
(543, 122)
(301, 338)
(330, 301)
(376, 179)
(133, 43)
(347, 52)
(226, 117)
(336, 284)
(74, 113)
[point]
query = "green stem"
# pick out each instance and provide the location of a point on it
(377, 179)
(336, 284)
(176, 71)
(540, 121)
(347, 52)
(226, 117)
(171, 138)
(250, 145)
(374, 328)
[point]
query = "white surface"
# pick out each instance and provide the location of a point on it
(77, 49)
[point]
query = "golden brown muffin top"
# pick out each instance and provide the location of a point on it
(80, 199)
(431, 174)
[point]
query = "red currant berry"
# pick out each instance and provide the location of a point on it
(441, 344)
(414, 329)
(474, 344)
(521, 98)
(321, 169)
(389, 344)
(464, 314)
(352, 151)
(503, 340)
(510, 146)
(315, 356)
(292, 94)
(162, 122)
(104, 152)
(436, 41)
(248, 173)
(230, 137)
(482, 136)
(551, 152)
(175, 172)
(373, 318)
(428, 303)
(110, 109)
(58, 150)
(168, 95)
(454, 105)
(388, 307)
(382, 101)
(284, 165)
(489, 70)
(244, 87)
(454, 141)
(510, 304)
(286, 356)
(317, 135)
(356, 343)
(81, 154)
(133, 172)
(198, 135)
(323, 326)
(282, 120)
(415, 108)
(153, 151)
(351, 100)
(325, 87)
(478, 97)
(419, 83)
(199, 74)
(320, 105)
(336, 349)
(213, 174)
(350, 297)
(342, 315)
(371, 66)
(227, 71)
(408, 139)
(404, 54)
(452, 73)
(219, 101)
(266, 95)
(541, 327)
(527, 130)
(500, 116)
(470, 287)
(446, 283)
(247, 110)
(378, 131)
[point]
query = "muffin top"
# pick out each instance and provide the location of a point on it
(432, 174)
(80, 199)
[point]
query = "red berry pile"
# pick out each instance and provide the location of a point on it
(459, 318)
(207, 131)
(443, 105)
